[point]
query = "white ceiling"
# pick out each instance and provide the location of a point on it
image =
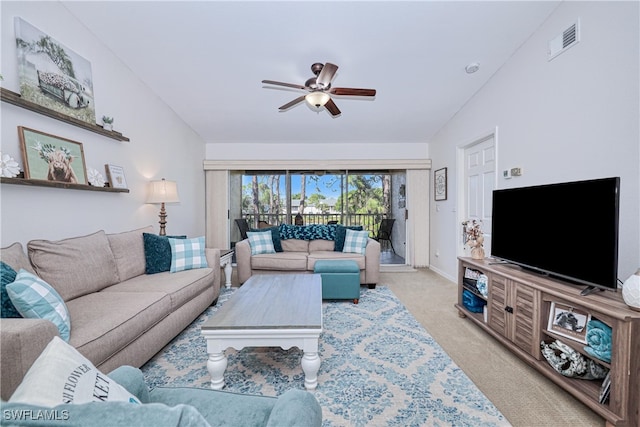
(206, 60)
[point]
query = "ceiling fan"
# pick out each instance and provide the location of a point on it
(319, 88)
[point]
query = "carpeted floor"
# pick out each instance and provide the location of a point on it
(380, 367)
(524, 396)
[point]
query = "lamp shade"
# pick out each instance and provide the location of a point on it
(317, 99)
(163, 192)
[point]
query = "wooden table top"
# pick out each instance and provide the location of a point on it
(272, 301)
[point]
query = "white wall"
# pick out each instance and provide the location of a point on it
(251, 150)
(576, 117)
(161, 145)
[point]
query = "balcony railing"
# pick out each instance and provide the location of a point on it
(369, 222)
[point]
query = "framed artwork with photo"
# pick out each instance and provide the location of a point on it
(52, 158)
(568, 321)
(115, 175)
(440, 184)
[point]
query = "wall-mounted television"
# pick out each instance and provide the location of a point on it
(567, 230)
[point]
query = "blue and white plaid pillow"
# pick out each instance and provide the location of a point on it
(187, 254)
(355, 241)
(261, 242)
(36, 299)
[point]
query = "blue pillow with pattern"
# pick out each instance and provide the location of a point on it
(320, 231)
(187, 254)
(288, 231)
(275, 236)
(355, 241)
(7, 275)
(157, 252)
(341, 232)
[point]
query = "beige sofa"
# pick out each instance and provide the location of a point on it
(119, 315)
(300, 256)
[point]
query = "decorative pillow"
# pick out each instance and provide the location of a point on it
(288, 231)
(570, 363)
(341, 232)
(187, 254)
(62, 375)
(355, 241)
(157, 252)
(275, 236)
(320, 231)
(261, 242)
(36, 299)
(7, 275)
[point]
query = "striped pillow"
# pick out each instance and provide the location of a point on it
(355, 241)
(36, 299)
(187, 254)
(261, 242)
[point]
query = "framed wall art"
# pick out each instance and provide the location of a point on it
(52, 75)
(568, 321)
(115, 175)
(52, 158)
(440, 184)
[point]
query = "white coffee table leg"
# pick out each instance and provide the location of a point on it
(310, 366)
(228, 269)
(216, 365)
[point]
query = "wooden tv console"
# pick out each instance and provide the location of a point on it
(517, 314)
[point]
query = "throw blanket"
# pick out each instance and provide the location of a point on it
(598, 340)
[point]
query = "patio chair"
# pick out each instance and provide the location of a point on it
(243, 226)
(384, 232)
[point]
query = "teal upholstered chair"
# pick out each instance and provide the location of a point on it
(176, 406)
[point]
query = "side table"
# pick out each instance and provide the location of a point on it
(225, 263)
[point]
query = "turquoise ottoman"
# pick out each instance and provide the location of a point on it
(340, 279)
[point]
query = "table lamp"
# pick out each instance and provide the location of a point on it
(162, 192)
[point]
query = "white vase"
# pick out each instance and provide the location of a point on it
(107, 126)
(631, 291)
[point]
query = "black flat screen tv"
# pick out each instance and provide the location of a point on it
(567, 230)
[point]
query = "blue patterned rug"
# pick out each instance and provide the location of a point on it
(380, 367)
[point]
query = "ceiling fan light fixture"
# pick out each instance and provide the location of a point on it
(317, 99)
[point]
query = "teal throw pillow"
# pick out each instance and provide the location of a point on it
(275, 236)
(157, 252)
(36, 299)
(320, 231)
(341, 232)
(288, 231)
(261, 242)
(7, 275)
(187, 254)
(355, 241)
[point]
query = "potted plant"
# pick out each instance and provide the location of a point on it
(107, 122)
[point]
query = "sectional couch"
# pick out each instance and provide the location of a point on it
(297, 248)
(119, 315)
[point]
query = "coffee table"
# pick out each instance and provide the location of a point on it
(268, 310)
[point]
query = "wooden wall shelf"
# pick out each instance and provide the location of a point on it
(56, 184)
(16, 99)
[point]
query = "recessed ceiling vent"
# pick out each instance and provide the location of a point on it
(562, 42)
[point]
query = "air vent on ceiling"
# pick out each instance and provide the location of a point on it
(569, 37)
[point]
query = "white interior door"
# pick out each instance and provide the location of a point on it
(480, 181)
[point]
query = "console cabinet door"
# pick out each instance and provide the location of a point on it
(498, 317)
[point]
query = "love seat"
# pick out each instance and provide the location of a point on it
(119, 315)
(297, 248)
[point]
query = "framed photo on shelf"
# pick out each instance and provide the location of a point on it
(115, 175)
(52, 158)
(440, 184)
(568, 321)
(605, 390)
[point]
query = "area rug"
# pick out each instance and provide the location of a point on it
(380, 367)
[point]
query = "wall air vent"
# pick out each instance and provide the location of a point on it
(562, 42)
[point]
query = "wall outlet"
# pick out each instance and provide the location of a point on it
(516, 171)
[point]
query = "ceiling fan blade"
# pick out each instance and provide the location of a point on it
(332, 107)
(326, 75)
(352, 91)
(272, 82)
(292, 103)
